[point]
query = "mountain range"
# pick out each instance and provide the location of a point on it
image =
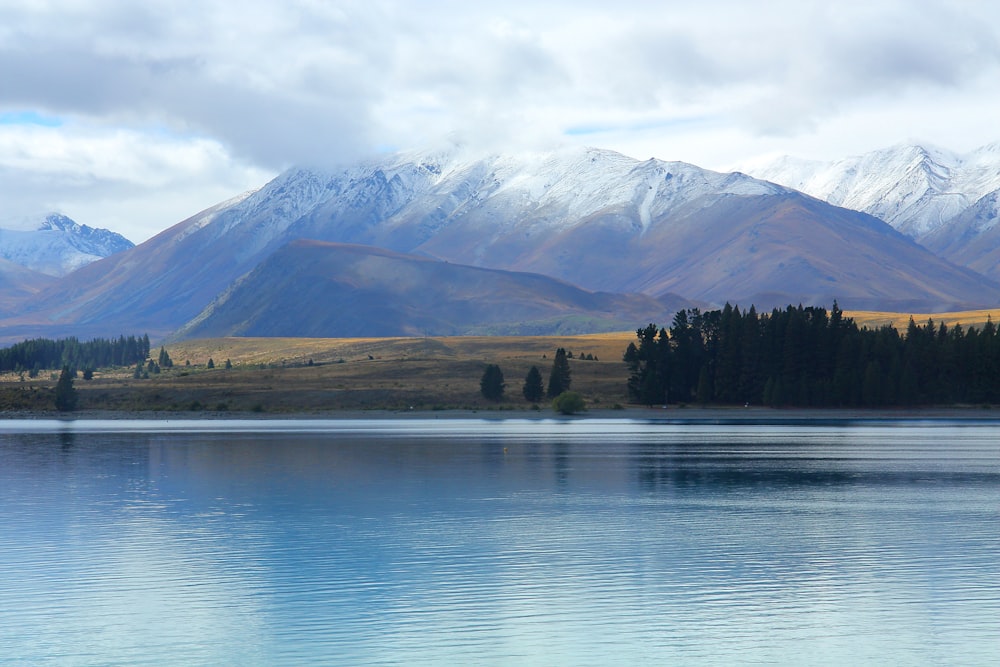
(578, 239)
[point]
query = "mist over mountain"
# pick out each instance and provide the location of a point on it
(594, 219)
(56, 245)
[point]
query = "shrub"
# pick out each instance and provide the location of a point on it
(569, 403)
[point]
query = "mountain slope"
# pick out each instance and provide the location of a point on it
(17, 284)
(946, 201)
(972, 238)
(57, 245)
(916, 189)
(318, 289)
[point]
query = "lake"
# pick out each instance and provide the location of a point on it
(499, 542)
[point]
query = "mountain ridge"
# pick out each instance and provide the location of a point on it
(915, 188)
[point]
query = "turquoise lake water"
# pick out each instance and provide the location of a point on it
(447, 542)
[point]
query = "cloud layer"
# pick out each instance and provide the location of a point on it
(118, 99)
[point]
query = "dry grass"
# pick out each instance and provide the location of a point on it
(274, 375)
(967, 318)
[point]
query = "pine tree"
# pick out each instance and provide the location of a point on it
(533, 389)
(559, 378)
(704, 392)
(66, 398)
(491, 384)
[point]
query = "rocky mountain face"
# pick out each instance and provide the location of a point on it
(595, 219)
(56, 245)
(945, 201)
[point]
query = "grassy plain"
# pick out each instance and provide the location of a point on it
(302, 375)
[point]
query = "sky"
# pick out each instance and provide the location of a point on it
(134, 116)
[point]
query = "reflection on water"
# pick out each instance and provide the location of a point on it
(489, 542)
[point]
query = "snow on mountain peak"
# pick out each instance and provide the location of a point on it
(915, 188)
(55, 245)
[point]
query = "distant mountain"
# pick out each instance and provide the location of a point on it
(916, 189)
(56, 245)
(318, 289)
(596, 219)
(944, 200)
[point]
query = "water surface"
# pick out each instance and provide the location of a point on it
(427, 542)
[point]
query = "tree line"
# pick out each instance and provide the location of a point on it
(806, 356)
(46, 354)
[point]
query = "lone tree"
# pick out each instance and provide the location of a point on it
(533, 389)
(492, 384)
(559, 379)
(66, 398)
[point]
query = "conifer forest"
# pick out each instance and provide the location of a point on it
(806, 356)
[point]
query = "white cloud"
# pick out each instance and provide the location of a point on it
(161, 99)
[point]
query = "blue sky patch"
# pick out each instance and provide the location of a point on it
(28, 118)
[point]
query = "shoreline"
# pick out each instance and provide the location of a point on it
(673, 414)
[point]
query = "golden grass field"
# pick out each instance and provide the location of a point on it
(274, 375)
(310, 375)
(967, 318)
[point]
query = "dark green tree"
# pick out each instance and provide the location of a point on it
(211, 363)
(66, 397)
(704, 393)
(534, 389)
(559, 378)
(165, 361)
(491, 385)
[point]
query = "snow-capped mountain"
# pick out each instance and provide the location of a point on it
(592, 218)
(56, 245)
(916, 189)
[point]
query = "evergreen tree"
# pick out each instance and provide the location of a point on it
(559, 377)
(704, 393)
(211, 363)
(491, 384)
(534, 389)
(66, 397)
